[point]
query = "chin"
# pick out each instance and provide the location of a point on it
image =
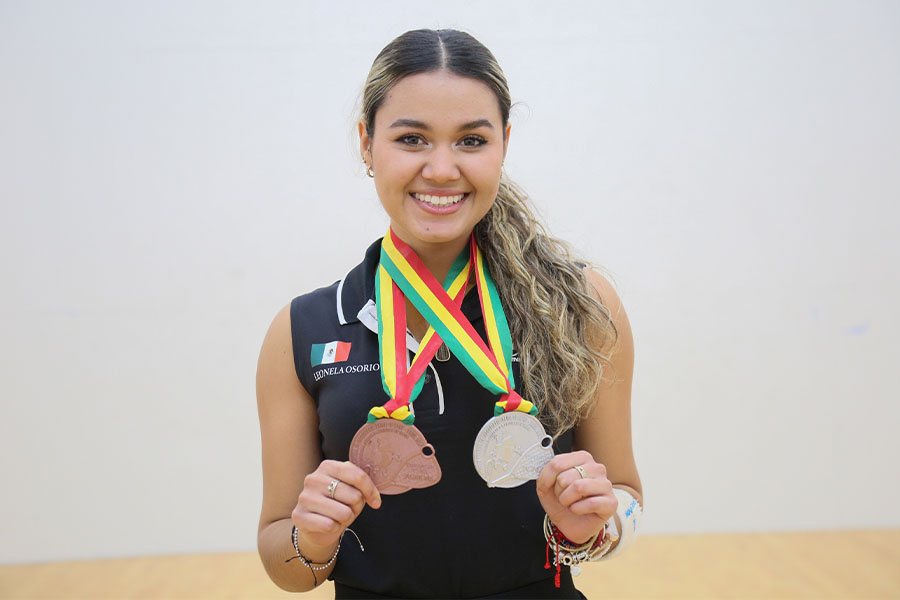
(441, 235)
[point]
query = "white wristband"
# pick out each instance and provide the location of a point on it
(630, 514)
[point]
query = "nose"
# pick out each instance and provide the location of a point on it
(440, 166)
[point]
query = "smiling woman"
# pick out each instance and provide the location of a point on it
(449, 398)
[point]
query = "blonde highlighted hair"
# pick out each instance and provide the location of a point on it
(563, 335)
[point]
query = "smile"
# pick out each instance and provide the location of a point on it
(439, 200)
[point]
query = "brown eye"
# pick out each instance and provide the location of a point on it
(473, 141)
(411, 140)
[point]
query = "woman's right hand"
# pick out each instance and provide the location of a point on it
(321, 519)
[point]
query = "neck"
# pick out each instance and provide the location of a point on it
(437, 258)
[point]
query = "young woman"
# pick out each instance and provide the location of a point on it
(408, 401)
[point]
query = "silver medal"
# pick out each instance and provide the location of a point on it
(511, 449)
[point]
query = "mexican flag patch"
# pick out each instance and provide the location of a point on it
(326, 354)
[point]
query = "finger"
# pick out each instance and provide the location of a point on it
(344, 473)
(603, 506)
(560, 464)
(566, 480)
(590, 473)
(584, 488)
(321, 504)
(353, 475)
(315, 523)
(349, 495)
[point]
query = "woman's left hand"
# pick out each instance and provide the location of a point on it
(577, 501)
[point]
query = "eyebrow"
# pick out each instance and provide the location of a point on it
(420, 125)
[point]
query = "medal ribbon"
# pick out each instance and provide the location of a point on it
(402, 385)
(491, 367)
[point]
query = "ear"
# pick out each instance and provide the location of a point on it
(506, 139)
(365, 142)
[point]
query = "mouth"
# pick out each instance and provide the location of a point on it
(439, 201)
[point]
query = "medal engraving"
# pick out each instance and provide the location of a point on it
(511, 449)
(396, 456)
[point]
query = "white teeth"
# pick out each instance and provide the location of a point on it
(439, 200)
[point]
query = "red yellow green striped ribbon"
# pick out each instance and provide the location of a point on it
(491, 367)
(402, 385)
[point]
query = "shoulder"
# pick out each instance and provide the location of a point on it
(302, 308)
(304, 311)
(316, 305)
(339, 302)
(275, 366)
(602, 289)
(605, 293)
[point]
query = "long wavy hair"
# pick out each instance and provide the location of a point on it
(564, 336)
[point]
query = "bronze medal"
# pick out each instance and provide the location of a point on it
(397, 457)
(511, 449)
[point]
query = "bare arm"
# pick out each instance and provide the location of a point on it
(295, 478)
(606, 432)
(578, 506)
(288, 428)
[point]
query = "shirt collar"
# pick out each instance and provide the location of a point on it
(358, 286)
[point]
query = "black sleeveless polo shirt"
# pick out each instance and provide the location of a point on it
(455, 539)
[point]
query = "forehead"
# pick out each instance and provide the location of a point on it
(439, 98)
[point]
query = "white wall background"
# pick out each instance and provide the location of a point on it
(172, 173)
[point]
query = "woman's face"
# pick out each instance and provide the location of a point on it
(436, 152)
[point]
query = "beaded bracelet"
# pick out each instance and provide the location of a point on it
(570, 554)
(321, 566)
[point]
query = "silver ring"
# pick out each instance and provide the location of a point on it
(333, 486)
(580, 470)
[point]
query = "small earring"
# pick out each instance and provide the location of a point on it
(369, 171)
